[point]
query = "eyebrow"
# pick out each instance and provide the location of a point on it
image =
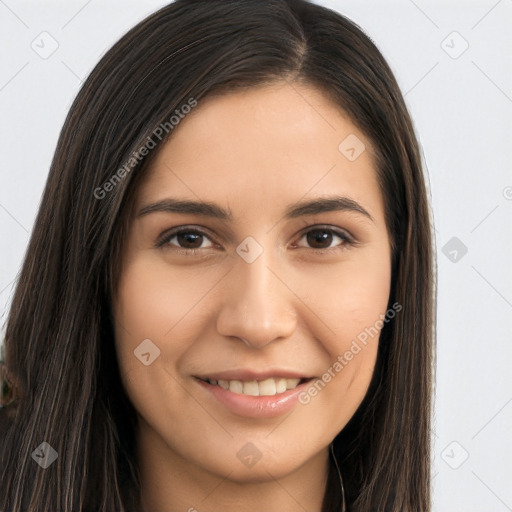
(212, 210)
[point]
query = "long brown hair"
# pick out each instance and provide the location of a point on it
(59, 346)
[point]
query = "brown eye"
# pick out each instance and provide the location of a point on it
(189, 240)
(323, 238)
(185, 239)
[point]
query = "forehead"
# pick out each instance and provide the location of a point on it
(263, 147)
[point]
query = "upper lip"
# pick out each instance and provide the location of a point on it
(251, 375)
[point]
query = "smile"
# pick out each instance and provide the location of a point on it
(268, 397)
(268, 387)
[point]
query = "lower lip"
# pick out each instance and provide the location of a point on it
(256, 406)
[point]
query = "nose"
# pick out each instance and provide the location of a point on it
(258, 304)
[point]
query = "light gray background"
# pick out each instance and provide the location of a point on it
(461, 103)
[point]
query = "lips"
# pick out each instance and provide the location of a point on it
(243, 400)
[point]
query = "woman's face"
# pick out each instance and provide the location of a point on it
(268, 283)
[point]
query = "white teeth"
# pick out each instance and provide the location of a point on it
(292, 383)
(267, 387)
(251, 388)
(235, 386)
(281, 386)
(223, 384)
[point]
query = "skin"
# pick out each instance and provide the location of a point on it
(297, 307)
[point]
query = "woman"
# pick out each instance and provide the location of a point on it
(264, 370)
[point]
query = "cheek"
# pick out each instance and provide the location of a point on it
(154, 302)
(156, 305)
(351, 302)
(155, 316)
(349, 299)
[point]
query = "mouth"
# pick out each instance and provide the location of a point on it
(268, 387)
(247, 393)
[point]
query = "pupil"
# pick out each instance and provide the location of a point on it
(190, 238)
(316, 238)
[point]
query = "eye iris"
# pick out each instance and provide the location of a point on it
(190, 238)
(318, 237)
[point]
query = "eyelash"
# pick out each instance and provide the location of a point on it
(164, 240)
